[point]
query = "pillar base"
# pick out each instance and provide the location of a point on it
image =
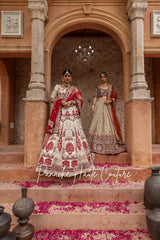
(36, 95)
(139, 94)
(36, 116)
(139, 132)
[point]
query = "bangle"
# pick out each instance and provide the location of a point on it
(92, 107)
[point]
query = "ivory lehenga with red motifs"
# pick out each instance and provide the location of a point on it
(104, 135)
(65, 151)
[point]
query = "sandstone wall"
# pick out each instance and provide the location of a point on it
(23, 69)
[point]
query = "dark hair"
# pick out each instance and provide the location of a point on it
(104, 73)
(67, 71)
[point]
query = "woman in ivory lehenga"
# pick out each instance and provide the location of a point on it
(65, 151)
(104, 135)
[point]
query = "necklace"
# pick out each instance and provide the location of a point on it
(66, 85)
(104, 86)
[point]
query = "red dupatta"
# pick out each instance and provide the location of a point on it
(113, 95)
(72, 94)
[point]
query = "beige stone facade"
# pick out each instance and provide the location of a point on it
(120, 32)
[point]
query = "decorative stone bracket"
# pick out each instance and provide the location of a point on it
(87, 8)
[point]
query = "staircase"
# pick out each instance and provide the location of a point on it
(111, 198)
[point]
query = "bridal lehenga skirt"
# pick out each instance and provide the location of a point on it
(66, 153)
(104, 135)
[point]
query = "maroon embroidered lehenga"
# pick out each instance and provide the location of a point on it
(104, 135)
(65, 151)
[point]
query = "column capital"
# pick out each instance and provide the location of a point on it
(38, 9)
(136, 8)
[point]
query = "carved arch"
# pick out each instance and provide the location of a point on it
(114, 25)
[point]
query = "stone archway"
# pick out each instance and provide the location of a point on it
(138, 130)
(105, 21)
(116, 26)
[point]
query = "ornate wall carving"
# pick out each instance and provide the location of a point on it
(155, 24)
(12, 24)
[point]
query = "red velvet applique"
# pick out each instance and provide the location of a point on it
(48, 161)
(49, 146)
(69, 148)
(74, 163)
(65, 163)
(85, 145)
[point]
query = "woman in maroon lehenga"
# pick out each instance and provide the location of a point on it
(65, 151)
(104, 135)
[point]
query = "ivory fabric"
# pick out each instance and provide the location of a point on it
(104, 136)
(65, 151)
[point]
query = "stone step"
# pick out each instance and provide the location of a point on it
(13, 158)
(101, 172)
(12, 154)
(80, 192)
(117, 158)
(98, 216)
(156, 159)
(91, 234)
(156, 154)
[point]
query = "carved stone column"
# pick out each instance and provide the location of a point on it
(138, 86)
(138, 109)
(36, 107)
(38, 9)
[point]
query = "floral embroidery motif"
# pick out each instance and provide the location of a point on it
(74, 163)
(49, 146)
(69, 148)
(89, 158)
(67, 113)
(41, 160)
(65, 163)
(45, 141)
(85, 145)
(99, 147)
(78, 141)
(48, 161)
(60, 142)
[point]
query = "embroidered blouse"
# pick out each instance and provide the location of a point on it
(100, 92)
(58, 92)
(109, 93)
